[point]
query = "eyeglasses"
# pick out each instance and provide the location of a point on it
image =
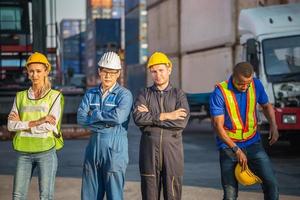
(241, 84)
(110, 73)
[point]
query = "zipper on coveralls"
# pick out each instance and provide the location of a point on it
(161, 133)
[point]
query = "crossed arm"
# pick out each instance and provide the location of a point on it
(176, 119)
(97, 118)
(42, 125)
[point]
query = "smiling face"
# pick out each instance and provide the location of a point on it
(108, 77)
(37, 73)
(160, 74)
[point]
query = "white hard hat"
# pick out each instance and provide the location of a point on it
(110, 60)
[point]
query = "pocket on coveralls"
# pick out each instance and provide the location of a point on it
(118, 156)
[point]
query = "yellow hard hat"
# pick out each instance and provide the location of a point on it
(158, 58)
(246, 177)
(38, 58)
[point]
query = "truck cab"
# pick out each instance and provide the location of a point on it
(270, 37)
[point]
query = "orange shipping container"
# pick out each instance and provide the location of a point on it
(101, 3)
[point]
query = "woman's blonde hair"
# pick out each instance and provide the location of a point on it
(47, 84)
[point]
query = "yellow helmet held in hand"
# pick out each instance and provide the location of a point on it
(246, 177)
(159, 58)
(38, 58)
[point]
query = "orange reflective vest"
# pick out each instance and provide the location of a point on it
(240, 131)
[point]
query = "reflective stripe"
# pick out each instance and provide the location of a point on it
(251, 107)
(173, 192)
(240, 131)
(109, 104)
(94, 104)
(231, 106)
(34, 109)
(41, 135)
(148, 175)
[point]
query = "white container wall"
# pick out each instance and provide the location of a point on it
(206, 24)
(175, 72)
(201, 71)
(163, 27)
(151, 2)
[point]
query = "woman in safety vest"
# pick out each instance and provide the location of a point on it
(36, 117)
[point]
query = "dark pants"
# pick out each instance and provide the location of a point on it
(161, 166)
(258, 162)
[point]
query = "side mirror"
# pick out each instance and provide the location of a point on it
(252, 54)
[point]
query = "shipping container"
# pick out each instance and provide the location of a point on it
(136, 51)
(132, 24)
(132, 4)
(132, 41)
(100, 3)
(108, 32)
(72, 46)
(71, 65)
(153, 2)
(102, 35)
(202, 71)
(163, 27)
(175, 75)
(132, 53)
(71, 27)
(206, 24)
(136, 78)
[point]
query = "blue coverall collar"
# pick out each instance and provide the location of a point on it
(111, 90)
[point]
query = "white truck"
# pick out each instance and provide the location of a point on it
(270, 39)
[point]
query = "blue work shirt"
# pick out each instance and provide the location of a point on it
(218, 107)
(108, 114)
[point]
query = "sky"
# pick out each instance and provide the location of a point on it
(70, 9)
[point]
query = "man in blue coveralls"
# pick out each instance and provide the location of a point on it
(233, 110)
(105, 111)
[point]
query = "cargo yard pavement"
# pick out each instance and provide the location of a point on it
(201, 178)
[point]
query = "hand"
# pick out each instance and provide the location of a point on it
(178, 114)
(142, 108)
(273, 135)
(49, 119)
(241, 158)
(13, 116)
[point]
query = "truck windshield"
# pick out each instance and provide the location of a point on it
(282, 58)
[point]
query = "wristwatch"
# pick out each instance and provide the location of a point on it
(235, 149)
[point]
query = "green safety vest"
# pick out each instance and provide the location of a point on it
(240, 131)
(34, 109)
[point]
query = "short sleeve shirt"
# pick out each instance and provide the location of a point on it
(218, 107)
